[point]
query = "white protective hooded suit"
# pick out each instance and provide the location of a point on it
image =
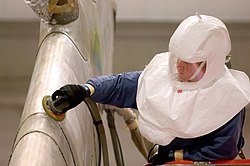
(169, 108)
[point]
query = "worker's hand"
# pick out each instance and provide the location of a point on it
(70, 96)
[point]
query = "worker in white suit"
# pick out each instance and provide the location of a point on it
(189, 103)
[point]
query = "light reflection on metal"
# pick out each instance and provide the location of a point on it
(65, 55)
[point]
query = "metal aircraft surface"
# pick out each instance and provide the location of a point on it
(76, 43)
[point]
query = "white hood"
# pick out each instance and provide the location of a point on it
(202, 38)
(168, 108)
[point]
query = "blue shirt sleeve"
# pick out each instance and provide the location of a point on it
(118, 90)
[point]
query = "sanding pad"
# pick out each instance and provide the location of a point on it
(47, 109)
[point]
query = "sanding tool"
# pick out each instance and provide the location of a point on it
(54, 112)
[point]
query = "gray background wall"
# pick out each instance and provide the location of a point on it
(136, 44)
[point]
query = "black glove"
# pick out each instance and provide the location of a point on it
(70, 96)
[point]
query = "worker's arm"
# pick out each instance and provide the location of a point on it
(118, 90)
